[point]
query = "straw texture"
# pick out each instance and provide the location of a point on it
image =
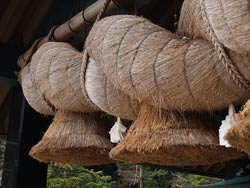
(110, 100)
(33, 96)
(239, 135)
(56, 70)
(39, 52)
(73, 138)
(57, 75)
(128, 61)
(153, 65)
(174, 139)
(211, 33)
(229, 19)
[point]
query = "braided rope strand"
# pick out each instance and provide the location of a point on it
(103, 10)
(238, 78)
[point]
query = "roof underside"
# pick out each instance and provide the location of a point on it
(21, 18)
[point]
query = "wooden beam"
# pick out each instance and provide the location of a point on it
(5, 86)
(11, 18)
(75, 24)
(78, 23)
(20, 170)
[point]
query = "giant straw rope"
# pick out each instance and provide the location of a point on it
(131, 60)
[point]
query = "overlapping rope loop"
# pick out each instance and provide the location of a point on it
(85, 57)
(33, 95)
(127, 60)
(238, 78)
(143, 59)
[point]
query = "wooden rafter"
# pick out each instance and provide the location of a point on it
(11, 17)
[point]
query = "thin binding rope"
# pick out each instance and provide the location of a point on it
(237, 77)
(85, 57)
(53, 108)
(103, 10)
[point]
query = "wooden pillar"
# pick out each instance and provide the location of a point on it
(25, 129)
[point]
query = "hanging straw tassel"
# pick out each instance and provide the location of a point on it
(74, 138)
(172, 139)
(57, 71)
(155, 66)
(239, 135)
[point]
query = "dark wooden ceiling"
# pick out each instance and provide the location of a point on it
(163, 13)
(20, 19)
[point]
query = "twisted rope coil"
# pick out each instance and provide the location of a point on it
(225, 60)
(147, 63)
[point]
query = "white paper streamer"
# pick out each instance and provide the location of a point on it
(226, 125)
(117, 131)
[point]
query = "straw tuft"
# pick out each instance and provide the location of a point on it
(73, 138)
(239, 135)
(172, 139)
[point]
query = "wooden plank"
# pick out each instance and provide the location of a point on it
(20, 170)
(32, 18)
(5, 86)
(11, 18)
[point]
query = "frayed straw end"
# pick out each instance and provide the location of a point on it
(172, 139)
(239, 135)
(73, 138)
(88, 156)
(245, 112)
